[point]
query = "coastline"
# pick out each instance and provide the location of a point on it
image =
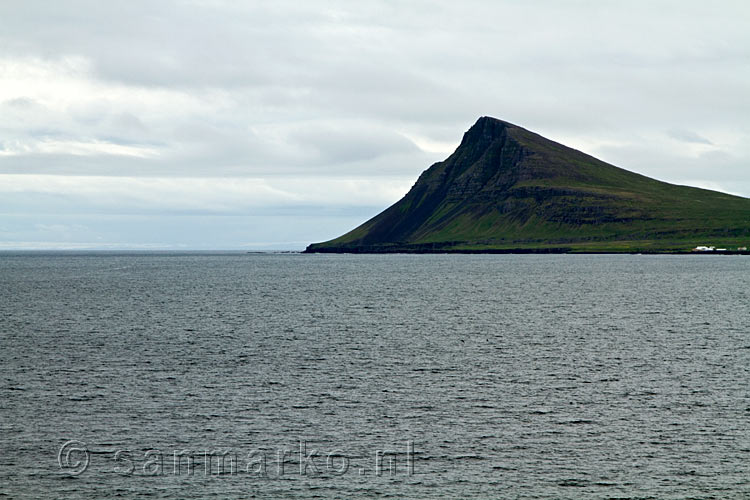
(571, 251)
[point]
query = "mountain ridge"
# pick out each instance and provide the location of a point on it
(506, 188)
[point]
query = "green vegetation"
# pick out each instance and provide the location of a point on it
(505, 188)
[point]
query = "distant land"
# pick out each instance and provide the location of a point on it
(506, 189)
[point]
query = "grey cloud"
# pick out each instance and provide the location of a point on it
(129, 122)
(23, 103)
(688, 136)
(333, 145)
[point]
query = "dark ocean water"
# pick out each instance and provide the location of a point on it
(399, 376)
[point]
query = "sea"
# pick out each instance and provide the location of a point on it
(238, 375)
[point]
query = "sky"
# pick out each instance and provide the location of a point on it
(270, 125)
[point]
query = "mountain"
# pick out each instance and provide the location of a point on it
(508, 189)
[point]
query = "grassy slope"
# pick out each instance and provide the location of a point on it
(506, 187)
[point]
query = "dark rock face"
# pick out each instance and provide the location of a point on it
(505, 188)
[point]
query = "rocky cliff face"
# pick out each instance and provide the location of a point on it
(508, 188)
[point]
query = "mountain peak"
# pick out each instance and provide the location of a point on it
(485, 128)
(490, 121)
(506, 188)
(484, 121)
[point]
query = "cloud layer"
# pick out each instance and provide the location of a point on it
(292, 109)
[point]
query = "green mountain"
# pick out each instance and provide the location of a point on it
(508, 189)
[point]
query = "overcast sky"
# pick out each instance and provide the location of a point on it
(269, 125)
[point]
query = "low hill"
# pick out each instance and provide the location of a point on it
(508, 189)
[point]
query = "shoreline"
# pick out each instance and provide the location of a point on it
(521, 251)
